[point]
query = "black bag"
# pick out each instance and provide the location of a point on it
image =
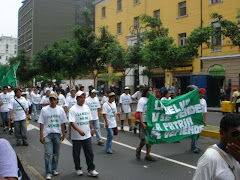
(22, 175)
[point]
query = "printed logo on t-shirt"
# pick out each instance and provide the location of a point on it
(54, 121)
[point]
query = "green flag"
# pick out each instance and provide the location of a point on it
(10, 77)
(2, 72)
(173, 120)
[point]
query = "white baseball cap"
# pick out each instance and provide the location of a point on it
(79, 93)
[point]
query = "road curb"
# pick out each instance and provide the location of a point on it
(211, 134)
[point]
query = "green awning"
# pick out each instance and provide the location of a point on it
(217, 70)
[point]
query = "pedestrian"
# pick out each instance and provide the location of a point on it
(194, 143)
(49, 88)
(45, 99)
(99, 90)
(80, 118)
(135, 97)
(219, 161)
(70, 101)
(11, 92)
(4, 104)
(18, 107)
(166, 95)
(24, 94)
(172, 89)
(94, 105)
(82, 88)
(142, 110)
(36, 98)
(61, 98)
(126, 108)
(104, 98)
(52, 120)
(109, 111)
(29, 98)
(236, 98)
(90, 88)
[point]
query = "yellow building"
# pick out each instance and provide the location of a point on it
(181, 18)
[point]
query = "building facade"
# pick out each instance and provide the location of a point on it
(41, 22)
(181, 17)
(8, 48)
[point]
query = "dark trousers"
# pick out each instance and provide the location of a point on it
(88, 152)
(237, 107)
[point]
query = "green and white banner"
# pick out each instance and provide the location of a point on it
(173, 120)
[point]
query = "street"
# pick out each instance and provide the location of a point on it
(174, 160)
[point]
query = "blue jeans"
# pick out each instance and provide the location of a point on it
(52, 148)
(109, 140)
(194, 144)
(88, 152)
(20, 129)
(5, 116)
(97, 131)
(36, 108)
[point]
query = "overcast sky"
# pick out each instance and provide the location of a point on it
(9, 17)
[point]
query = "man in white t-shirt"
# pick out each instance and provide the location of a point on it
(52, 121)
(4, 104)
(93, 103)
(8, 161)
(36, 98)
(49, 88)
(18, 113)
(11, 92)
(125, 108)
(194, 144)
(219, 162)
(80, 118)
(45, 99)
(61, 98)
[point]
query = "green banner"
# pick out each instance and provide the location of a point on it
(10, 77)
(173, 120)
(2, 72)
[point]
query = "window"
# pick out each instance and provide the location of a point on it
(136, 1)
(182, 39)
(15, 52)
(0, 57)
(6, 46)
(119, 28)
(119, 5)
(182, 8)
(103, 12)
(156, 14)
(6, 58)
(136, 22)
(15, 47)
(215, 1)
(217, 39)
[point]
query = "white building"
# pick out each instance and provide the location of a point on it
(8, 48)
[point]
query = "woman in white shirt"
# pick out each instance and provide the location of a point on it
(36, 98)
(166, 95)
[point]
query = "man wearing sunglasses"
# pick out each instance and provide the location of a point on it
(221, 161)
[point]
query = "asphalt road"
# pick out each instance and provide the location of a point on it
(174, 160)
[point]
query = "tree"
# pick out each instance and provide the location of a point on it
(229, 28)
(26, 71)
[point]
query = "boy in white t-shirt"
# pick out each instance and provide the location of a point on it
(45, 99)
(61, 98)
(93, 103)
(80, 118)
(52, 121)
(126, 108)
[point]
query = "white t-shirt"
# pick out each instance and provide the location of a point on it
(61, 100)
(111, 113)
(8, 160)
(204, 105)
(68, 94)
(80, 115)
(211, 166)
(164, 98)
(87, 94)
(18, 112)
(93, 104)
(29, 96)
(104, 99)
(5, 99)
(52, 118)
(142, 107)
(11, 94)
(36, 98)
(45, 100)
(125, 100)
(70, 101)
(137, 95)
(49, 89)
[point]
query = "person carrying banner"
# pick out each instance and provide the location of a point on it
(52, 121)
(80, 118)
(18, 107)
(221, 161)
(166, 95)
(236, 98)
(142, 109)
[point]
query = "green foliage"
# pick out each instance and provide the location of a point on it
(110, 77)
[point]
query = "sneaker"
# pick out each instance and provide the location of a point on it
(55, 173)
(131, 128)
(79, 172)
(4, 130)
(122, 128)
(196, 151)
(101, 143)
(10, 132)
(135, 130)
(25, 143)
(93, 173)
(48, 177)
(18, 143)
(109, 152)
